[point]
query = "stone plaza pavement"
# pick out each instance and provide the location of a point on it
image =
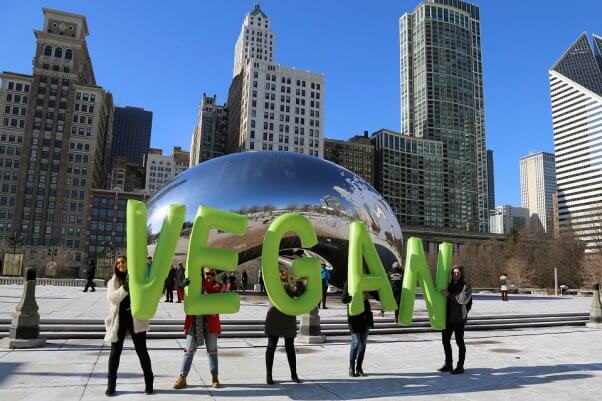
(545, 363)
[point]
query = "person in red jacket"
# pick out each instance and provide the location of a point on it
(202, 329)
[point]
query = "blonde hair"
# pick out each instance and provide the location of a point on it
(290, 279)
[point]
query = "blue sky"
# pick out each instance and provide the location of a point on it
(163, 55)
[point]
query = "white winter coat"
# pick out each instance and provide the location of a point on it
(115, 294)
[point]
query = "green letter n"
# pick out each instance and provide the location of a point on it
(416, 271)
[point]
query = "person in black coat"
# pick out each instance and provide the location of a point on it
(170, 283)
(359, 326)
(459, 302)
(278, 324)
(90, 273)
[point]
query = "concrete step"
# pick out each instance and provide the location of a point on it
(153, 334)
(172, 329)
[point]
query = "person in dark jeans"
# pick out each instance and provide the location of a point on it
(459, 302)
(325, 275)
(179, 278)
(90, 273)
(244, 280)
(170, 282)
(359, 326)
(396, 280)
(119, 322)
(277, 325)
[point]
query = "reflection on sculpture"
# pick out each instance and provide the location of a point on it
(265, 185)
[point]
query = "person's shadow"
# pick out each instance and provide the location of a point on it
(377, 385)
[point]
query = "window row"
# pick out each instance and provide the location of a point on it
(10, 150)
(76, 182)
(13, 122)
(58, 52)
(11, 138)
(91, 97)
(18, 86)
(7, 201)
(6, 213)
(9, 163)
(72, 206)
(82, 119)
(17, 98)
(74, 194)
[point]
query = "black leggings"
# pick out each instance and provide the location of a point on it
(289, 345)
(458, 330)
(139, 340)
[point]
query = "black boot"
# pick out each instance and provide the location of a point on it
(358, 368)
(458, 370)
(448, 367)
(352, 369)
(148, 384)
(111, 387)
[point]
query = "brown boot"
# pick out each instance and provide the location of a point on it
(215, 382)
(180, 382)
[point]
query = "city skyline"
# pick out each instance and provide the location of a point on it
(355, 64)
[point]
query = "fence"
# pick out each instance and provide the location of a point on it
(63, 282)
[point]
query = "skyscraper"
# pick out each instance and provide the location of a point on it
(576, 95)
(209, 135)
(442, 100)
(355, 154)
(132, 133)
(58, 124)
(537, 184)
(160, 168)
(409, 175)
(272, 107)
(255, 40)
(490, 180)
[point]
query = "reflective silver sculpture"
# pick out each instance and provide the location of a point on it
(264, 185)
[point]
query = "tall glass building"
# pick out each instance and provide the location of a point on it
(442, 100)
(576, 95)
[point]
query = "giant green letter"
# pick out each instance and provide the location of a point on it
(416, 270)
(199, 255)
(361, 248)
(306, 267)
(146, 287)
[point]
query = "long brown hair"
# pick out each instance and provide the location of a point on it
(118, 273)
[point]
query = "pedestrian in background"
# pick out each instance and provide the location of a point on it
(179, 277)
(244, 280)
(90, 273)
(459, 303)
(504, 286)
(231, 286)
(396, 280)
(224, 280)
(119, 322)
(169, 284)
(325, 274)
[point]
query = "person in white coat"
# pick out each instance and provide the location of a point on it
(119, 322)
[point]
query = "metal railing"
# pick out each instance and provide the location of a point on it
(62, 282)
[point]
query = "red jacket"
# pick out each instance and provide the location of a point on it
(213, 322)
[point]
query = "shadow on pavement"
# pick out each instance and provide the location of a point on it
(375, 385)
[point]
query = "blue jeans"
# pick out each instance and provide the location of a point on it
(358, 344)
(191, 346)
